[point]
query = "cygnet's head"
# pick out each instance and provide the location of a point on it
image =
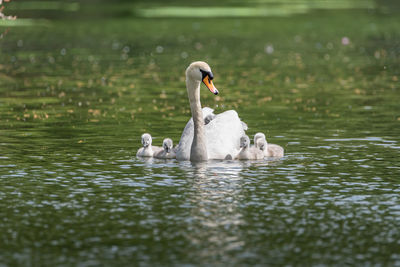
(201, 72)
(209, 118)
(244, 141)
(146, 140)
(167, 145)
(259, 139)
(261, 144)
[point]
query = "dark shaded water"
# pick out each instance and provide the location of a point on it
(75, 96)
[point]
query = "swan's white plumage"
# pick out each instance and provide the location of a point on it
(182, 151)
(222, 136)
(219, 137)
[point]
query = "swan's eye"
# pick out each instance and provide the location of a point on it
(205, 74)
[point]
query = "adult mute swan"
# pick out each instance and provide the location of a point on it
(219, 138)
(270, 150)
(167, 151)
(147, 150)
(247, 151)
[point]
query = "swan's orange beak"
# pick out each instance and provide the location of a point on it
(207, 81)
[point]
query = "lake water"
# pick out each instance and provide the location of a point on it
(79, 84)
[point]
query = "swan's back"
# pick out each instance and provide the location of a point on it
(222, 136)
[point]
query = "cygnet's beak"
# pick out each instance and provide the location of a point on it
(208, 82)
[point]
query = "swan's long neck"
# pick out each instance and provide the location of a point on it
(198, 151)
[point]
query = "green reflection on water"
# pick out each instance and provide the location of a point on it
(76, 95)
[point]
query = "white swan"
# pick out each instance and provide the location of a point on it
(247, 151)
(270, 150)
(183, 149)
(167, 151)
(147, 150)
(219, 138)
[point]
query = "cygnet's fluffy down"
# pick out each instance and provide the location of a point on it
(209, 118)
(275, 151)
(147, 150)
(247, 151)
(167, 151)
(269, 150)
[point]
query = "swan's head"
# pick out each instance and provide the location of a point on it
(146, 140)
(200, 71)
(167, 145)
(244, 141)
(259, 141)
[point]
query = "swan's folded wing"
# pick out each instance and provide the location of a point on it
(223, 135)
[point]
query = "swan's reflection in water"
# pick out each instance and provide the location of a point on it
(216, 215)
(213, 208)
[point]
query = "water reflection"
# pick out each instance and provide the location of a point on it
(214, 210)
(216, 214)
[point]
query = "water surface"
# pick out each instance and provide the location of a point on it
(79, 86)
